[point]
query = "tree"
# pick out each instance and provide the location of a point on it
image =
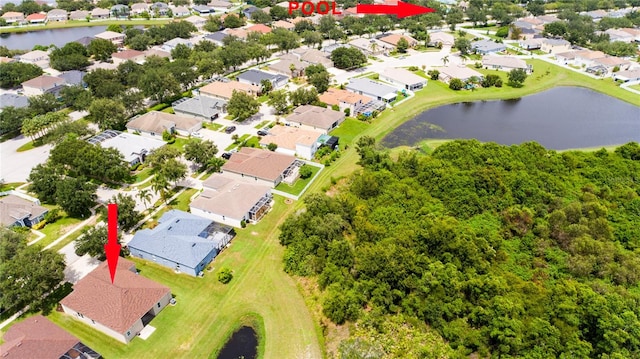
(265, 86)
(11, 119)
(318, 76)
(72, 56)
(285, 40)
(76, 97)
(536, 7)
(233, 21)
(104, 83)
(114, 28)
(347, 58)
(241, 106)
(454, 17)
(303, 96)
(311, 38)
(555, 29)
(272, 146)
(43, 104)
(92, 241)
(13, 74)
(76, 196)
(200, 151)
(517, 77)
(101, 49)
(128, 217)
(108, 114)
(181, 51)
(305, 171)
(28, 272)
(261, 17)
(402, 45)
(165, 165)
(213, 23)
(456, 84)
(43, 178)
(145, 196)
(279, 101)
(463, 45)
(159, 84)
(225, 275)
(433, 74)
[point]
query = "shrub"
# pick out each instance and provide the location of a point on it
(375, 76)
(305, 172)
(52, 216)
(503, 32)
(413, 68)
(335, 108)
(456, 84)
(167, 136)
(272, 147)
(243, 223)
(347, 112)
(433, 74)
(616, 68)
(478, 65)
(40, 225)
(225, 275)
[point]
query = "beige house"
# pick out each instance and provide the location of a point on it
(403, 79)
(313, 57)
(344, 99)
(12, 16)
(224, 90)
(43, 84)
(283, 24)
(315, 118)
(451, 72)
(442, 38)
(197, 21)
(555, 46)
(139, 8)
(370, 46)
(394, 38)
(153, 124)
(36, 57)
(505, 63)
(293, 141)
(586, 57)
(285, 65)
(99, 13)
(19, 212)
(79, 15)
(606, 65)
(262, 166)
(57, 15)
(231, 200)
(115, 37)
(120, 310)
(128, 55)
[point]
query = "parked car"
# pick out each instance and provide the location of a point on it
(230, 129)
(262, 133)
(226, 155)
(196, 135)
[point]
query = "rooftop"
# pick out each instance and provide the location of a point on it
(131, 146)
(13, 100)
(255, 76)
(225, 89)
(334, 96)
(119, 305)
(109, 35)
(459, 72)
(556, 42)
(127, 54)
(507, 61)
(157, 122)
(259, 28)
(288, 137)
(394, 38)
(13, 208)
(486, 45)
(403, 76)
(315, 116)
(202, 106)
(366, 85)
(44, 82)
(33, 55)
(259, 163)
(229, 197)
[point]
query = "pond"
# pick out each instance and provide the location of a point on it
(242, 344)
(560, 118)
(58, 37)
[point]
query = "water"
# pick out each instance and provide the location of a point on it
(58, 37)
(560, 118)
(242, 344)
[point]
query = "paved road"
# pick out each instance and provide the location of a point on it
(16, 166)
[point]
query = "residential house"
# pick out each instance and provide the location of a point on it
(505, 63)
(346, 100)
(528, 28)
(555, 46)
(20, 212)
(586, 57)
(283, 25)
(232, 201)
(182, 241)
(73, 78)
(38, 337)
(463, 73)
(57, 15)
(128, 55)
(36, 57)
(262, 166)
(156, 52)
(261, 28)
(6, 60)
(314, 57)
(255, 77)
(171, 44)
(633, 32)
(115, 37)
(531, 44)
(140, 8)
(154, 123)
(393, 39)
(99, 13)
(159, 9)
(624, 76)
(596, 15)
(13, 17)
(120, 11)
(43, 84)
(289, 66)
(85, 40)
(248, 11)
(315, 118)
(216, 37)
(133, 148)
(293, 141)
(36, 18)
(204, 107)
(120, 309)
(330, 48)
(180, 11)
(220, 4)
(620, 35)
(606, 65)
(484, 47)
(547, 19)
(566, 58)
(404, 79)
(440, 38)
(370, 47)
(373, 89)
(13, 100)
(197, 21)
(202, 9)
(224, 90)
(79, 15)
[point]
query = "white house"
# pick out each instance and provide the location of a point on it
(37, 57)
(115, 37)
(153, 124)
(505, 63)
(555, 46)
(404, 79)
(293, 141)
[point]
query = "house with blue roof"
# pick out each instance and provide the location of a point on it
(181, 241)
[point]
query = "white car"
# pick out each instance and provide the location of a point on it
(196, 135)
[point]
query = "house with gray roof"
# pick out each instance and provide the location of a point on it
(120, 11)
(181, 241)
(133, 148)
(85, 40)
(171, 44)
(159, 9)
(254, 77)
(505, 63)
(57, 15)
(312, 117)
(405, 79)
(202, 9)
(13, 100)
(373, 89)
(216, 37)
(248, 12)
(484, 47)
(205, 107)
(20, 212)
(79, 15)
(73, 78)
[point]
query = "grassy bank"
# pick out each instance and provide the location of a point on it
(82, 23)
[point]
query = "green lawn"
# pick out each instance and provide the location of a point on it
(179, 143)
(349, 130)
(261, 124)
(30, 145)
(143, 174)
(635, 87)
(212, 126)
(236, 143)
(299, 184)
(10, 186)
(253, 141)
(54, 230)
(207, 311)
(69, 239)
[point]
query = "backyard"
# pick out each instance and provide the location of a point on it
(300, 184)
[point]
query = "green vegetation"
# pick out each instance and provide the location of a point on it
(497, 248)
(214, 126)
(300, 183)
(262, 124)
(80, 23)
(349, 130)
(143, 174)
(53, 231)
(10, 186)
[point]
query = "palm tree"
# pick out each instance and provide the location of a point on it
(145, 196)
(160, 185)
(292, 67)
(373, 46)
(445, 60)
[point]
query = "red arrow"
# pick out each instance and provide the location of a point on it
(402, 9)
(112, 248)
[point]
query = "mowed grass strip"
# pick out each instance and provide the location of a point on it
(207, 311)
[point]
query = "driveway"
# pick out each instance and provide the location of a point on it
(16, 166)
(77, 267)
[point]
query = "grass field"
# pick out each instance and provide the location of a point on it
(56, 229)
(208, 311)
(10, 186)
(299, 184)
(80, 23)
(635, 87)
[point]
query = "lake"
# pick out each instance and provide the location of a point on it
(242, 344)
(58, 37)
(560, 118)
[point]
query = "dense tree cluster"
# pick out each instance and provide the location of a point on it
(505, 251)
(348, 58)
(12, 74)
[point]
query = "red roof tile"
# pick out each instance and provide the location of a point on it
(36, 337)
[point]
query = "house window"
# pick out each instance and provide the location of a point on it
(80, 315)
(93, 321)
(158, 305)
(128, 333)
